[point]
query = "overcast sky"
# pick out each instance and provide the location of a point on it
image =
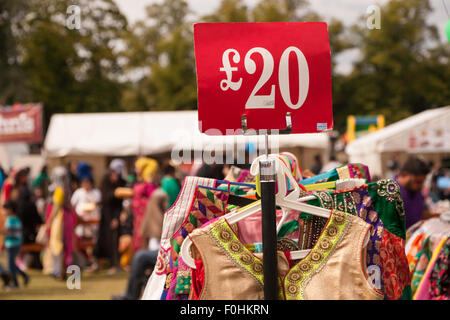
(347, 11)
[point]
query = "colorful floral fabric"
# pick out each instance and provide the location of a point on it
(440, 275)
(395, 272)
(379, 204)
(422, 258)
(208, 204)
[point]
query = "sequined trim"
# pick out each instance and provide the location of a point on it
(298, 277)
(329, 201)
(162, 262)
(391, 190)
(286, 244)
(227, 240)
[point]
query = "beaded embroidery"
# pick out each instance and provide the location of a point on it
(227, 240)
(302, 272)
(391, 190)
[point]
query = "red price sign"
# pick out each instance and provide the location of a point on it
(263, 70)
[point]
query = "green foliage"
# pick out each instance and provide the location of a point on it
(403, 67)
(107, 66)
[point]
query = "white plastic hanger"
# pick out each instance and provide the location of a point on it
(284, 201)
(349, 183)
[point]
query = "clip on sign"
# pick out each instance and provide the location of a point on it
(263, 72)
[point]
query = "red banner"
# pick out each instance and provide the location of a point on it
(21, 123)
(263, 70)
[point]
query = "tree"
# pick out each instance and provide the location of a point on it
(229, 11)
(161, 48)
(13, 85)
(403, 67)
(73, 70)
(278, 10)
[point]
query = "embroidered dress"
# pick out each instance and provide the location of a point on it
(207, 205)
(332, 270)
(379, 204)
(173, 218)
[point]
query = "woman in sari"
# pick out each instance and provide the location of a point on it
(60, 223)
(146, 169)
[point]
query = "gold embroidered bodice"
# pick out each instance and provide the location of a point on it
(333, 269)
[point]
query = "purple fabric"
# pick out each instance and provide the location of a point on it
(414, 204)
(366, 211)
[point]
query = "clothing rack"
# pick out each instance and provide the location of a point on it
(268, 212)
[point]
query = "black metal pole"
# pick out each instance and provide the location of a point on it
(269, 230)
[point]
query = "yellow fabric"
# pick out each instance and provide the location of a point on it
(148, 168)
(56, 241)
(58, 196)
(430, 265)
(321, 186)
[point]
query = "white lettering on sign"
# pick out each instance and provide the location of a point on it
(226, 84)
(22, 124)
(262, 101)
(268, 101)
(303, 74)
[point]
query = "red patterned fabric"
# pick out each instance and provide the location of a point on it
(394, 264)
(198, 280)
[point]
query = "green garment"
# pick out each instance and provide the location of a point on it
(382, 196)
(38, 181)
(171, 186)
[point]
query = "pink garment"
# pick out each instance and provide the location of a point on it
(423, 292)
(250, 227)
(141, 194)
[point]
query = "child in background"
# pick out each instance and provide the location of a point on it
(13, 242)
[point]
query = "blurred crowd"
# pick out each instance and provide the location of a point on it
(64, 217)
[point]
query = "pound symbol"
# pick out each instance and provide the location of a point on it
(225, 84)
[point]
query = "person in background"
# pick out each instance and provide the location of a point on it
(5, 275)
(317, 167)
(86, 203)
(13, 242)
(73, 175)
(42, 182)
(40, 201)
(29, 216)
(143, 260)
(8, 186)
(126, 228)
(146, 169)
(411, 180)
(3, 177)
(214, 171)
(86, 200)
(60, 222)
(170, 184)
(108, 236)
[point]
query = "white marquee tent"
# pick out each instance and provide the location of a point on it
(425, 133)
(134, 133)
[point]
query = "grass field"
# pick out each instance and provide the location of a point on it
(94, 286)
